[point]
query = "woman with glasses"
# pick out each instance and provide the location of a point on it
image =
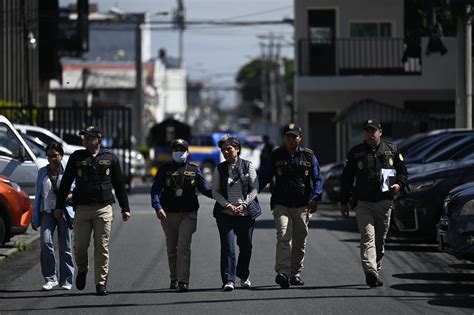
(234, 187)
(47, 217)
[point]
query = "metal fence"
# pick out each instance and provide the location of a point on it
(66, 122)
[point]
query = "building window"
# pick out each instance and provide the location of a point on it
(371, 29)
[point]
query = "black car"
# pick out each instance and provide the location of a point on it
(418, 208)
(456, 226)
(332, 182)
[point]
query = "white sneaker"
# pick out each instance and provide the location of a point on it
(67, 286)
(49, 285)
(245, 283)
(229, 286)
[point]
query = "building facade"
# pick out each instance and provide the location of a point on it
(350, 51)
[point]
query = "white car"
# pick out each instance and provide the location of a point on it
(47, 137)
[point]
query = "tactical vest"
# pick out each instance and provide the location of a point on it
(179, 189)
(242, 170)
(93, 179)
(368, 168)
(293, 186)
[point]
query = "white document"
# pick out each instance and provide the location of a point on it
(384, 174)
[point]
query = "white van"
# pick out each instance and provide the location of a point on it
(17, 161)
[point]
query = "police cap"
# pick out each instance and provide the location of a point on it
(292, 129)
(179, 142)
(91, 131)
(372, 123)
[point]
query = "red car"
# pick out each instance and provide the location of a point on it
(15, 209)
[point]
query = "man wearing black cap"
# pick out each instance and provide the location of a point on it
(95, 171)
(295, 196)
(379, 172)
(173, 196)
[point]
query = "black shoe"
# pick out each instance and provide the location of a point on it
(81, 280)
(174, 285)
(371, 279)
(183, 287)
(379, 282)
(282, 280)
(101, 290)
(296, 280)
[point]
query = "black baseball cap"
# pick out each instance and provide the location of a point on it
(292, 129)
(179, 142)
(91, 131)
(372, 123)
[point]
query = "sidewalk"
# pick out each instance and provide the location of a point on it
(11, 247)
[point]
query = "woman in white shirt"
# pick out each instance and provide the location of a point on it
(46, 216)
(234, 187)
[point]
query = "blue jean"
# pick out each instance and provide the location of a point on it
(231, 227)
(48, 260)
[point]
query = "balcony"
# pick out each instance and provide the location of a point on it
(355, 56)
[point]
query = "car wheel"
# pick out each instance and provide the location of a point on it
(3, 231)
(207, 170)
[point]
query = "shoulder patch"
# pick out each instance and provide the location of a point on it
(308, 150)
(193, 164)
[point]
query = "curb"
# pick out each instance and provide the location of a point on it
(11, 247)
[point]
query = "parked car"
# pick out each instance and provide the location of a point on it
(332, 182)
(17, 161)
(456, 226)
(47, 137)
(15, 209)
(419, 207)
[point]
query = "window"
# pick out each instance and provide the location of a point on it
(9, 145)
(371, 29)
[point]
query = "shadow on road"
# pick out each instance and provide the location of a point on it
(466, 266)
(461, 284)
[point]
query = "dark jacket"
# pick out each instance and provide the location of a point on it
(364, 164)
(242, 167)
(95, 177)
(172, 176)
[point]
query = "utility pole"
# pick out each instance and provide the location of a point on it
(138, 81)
(180, 24)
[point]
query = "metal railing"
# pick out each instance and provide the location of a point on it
(356, 56)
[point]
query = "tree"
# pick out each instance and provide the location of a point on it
(250, 82)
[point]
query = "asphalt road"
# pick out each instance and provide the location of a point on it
(418, 279)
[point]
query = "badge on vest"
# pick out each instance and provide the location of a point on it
(105, 162)
(400, 156)
(305, 163)
(193, 182)
(168, 181)
(189, 173)
(178, 192)
(107, 172)
(280, 163)
(306, 173)
(390, 161)
(279, 171)
(360, 165)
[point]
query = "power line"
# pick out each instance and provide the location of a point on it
(257, 13)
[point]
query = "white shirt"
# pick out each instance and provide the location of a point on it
(49, 197)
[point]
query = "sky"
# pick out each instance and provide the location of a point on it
(214, 54)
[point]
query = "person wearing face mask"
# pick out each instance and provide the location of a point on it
(173, 196)
(295, 196)
(379, 172)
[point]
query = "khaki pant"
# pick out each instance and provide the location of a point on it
(179, 229)
(292, 229)
(97, 219)
(373, 220)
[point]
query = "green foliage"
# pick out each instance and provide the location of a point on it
(419, 14)
(23, 246)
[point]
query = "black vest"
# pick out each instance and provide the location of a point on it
(293, 185)
(182, 178)
(242, 169)
(368, 165)
(93, 179)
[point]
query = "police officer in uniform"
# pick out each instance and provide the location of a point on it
(295, 196)
(379, 173)
(173, 196)
(95, 171)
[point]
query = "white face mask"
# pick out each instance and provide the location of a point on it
(180, 157)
